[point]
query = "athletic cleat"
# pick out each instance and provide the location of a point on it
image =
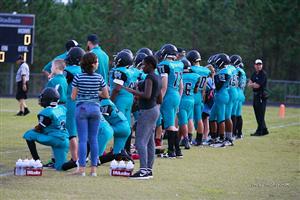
(206, 143)
(239, 137)
(186, 143)
(140, 175)
(171, 155)
(217, 145)
(124, 156)
(69, 165)
(197, 142)
(162, 155)
(50, 164)
(179, 154)
(228, 142)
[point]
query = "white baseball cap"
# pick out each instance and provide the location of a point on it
(258, 61)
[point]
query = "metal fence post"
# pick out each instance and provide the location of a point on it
(11, 81)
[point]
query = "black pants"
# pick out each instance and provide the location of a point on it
(259, 105)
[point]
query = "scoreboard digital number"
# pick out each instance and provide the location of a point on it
(16, 37)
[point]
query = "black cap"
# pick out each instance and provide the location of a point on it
(20, 57)
(93, 38)
(70, 44)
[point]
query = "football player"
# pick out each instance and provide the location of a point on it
(122, 75)
(221, 98)
(121, 129)
(172, 88)
(191, 83)
(50, 130)
(194, 57)
(236, 60)
(72, 69)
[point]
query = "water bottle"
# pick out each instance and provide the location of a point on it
(122, 165)
(25, 166)
(113, 166)
(129, 166)
(38, 164)
(31, 163)
(19, 167)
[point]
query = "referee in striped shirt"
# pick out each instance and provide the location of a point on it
(87, 88)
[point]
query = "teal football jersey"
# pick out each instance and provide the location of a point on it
(111, 112)
(70, 72)
(124, 74)
(234, 76)
(242, 79)
(174, 69)
(57, 115)
(203, 72)
(190, 81)
(59, 82)
(222, 80)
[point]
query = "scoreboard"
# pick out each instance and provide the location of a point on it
(16, 37)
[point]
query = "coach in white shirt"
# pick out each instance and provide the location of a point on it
(22, 79)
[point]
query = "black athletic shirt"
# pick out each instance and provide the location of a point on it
(156, 89)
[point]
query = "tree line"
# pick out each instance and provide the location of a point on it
(265, 29)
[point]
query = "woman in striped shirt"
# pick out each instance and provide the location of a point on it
(87, 88)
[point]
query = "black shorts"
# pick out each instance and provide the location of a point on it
(21, 94)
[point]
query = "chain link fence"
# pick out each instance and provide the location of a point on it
(281, 91)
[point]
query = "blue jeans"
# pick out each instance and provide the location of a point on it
(87, 121)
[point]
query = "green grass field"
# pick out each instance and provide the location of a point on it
(255, 168)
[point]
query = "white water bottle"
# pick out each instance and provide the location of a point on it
(122, 165)
(113, 166)
(129, 166)
(38, 164)
(19, 167)
(25, 166)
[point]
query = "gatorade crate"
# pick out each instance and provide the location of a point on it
(120, 172)
(32, 171)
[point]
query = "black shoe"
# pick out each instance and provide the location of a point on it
(179, 154)
(265, 131)
(197, 142)
(20, 113)
(171, 154)
(150, 174)
(186, 143)
(228, 142)
(239, 136)
(50, 164)
(257, 133)
(26, 111)
(69, 165)
(140, 175)
(125, 156)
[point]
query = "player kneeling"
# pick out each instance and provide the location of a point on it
(50, 130)
(121, 131)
